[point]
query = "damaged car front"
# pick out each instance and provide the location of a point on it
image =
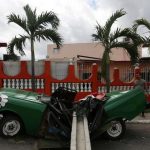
(20, 110)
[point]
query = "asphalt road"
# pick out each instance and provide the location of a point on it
(137, 137)
(21, 143)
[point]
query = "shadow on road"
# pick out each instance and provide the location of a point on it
(137, 137)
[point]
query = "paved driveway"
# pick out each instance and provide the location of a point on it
(137, 137)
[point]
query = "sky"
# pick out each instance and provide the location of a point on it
(78, 19)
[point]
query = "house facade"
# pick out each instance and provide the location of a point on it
(83, 55)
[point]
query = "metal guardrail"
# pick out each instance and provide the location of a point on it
(80, 139)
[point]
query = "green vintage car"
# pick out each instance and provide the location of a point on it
(27, 111)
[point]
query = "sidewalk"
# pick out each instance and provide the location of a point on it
(140, 119)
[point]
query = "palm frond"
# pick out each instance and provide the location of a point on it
(140, 22)
(111, 20)
(147, 41)
(19, 43)
(128, 33)
(117, 34)
(49, 34)
(47, 18)
(19, 21)
(99, 35)
(31, 18)
(130, 48)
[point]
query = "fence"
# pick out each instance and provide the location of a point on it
(47, 84)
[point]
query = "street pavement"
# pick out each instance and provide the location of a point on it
(20, 143)
(137, 137)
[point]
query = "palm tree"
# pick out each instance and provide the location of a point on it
(111, 40)
(35, 28)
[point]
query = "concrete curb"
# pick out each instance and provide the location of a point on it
(139, 122)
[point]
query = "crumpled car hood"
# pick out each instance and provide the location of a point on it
(19, 94)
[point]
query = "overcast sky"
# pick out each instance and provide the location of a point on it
(77, 18)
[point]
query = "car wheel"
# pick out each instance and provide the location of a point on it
(10, 126)
(116, 130)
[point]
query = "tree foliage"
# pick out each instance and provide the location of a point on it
(112, 39)
(36, 27)
(146, 24)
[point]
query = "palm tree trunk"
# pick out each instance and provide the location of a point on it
(107, 71)
(108, 77)
(32, 65)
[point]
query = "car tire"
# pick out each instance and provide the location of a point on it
(116, 130)
(10, 126)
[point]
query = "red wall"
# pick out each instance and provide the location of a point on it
(92, 84)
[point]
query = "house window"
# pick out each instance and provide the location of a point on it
(56, 50)
(86, 75)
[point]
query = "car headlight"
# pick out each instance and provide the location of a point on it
(3, 100)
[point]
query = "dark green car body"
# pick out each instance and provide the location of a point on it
(26, 106)
(125, 105)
